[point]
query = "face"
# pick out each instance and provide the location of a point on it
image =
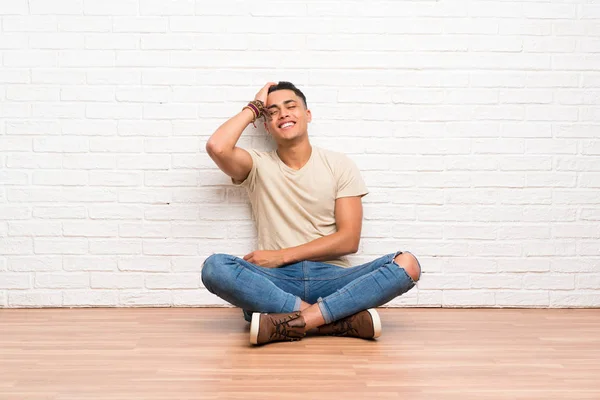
(289, 117)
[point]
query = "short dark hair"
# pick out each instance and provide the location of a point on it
(284, 85)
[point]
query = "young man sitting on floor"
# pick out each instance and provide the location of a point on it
(306, 203)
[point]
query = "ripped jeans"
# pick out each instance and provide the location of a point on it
(338, 291)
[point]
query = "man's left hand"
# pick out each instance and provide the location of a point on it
(266, 258)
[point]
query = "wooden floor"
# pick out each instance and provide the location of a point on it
(195, 353)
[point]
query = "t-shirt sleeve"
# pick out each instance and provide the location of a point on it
(250, 182)
(349, 180)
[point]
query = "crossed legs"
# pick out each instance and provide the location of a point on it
(280, 290)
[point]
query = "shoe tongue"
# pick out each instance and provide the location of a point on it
(297, 322)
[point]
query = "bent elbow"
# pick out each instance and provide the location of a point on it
(354, 244)
(213, 149)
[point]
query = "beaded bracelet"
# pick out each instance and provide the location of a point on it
(258, 109)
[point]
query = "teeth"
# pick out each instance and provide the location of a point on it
(287, 124)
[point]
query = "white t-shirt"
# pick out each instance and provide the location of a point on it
(293, 207)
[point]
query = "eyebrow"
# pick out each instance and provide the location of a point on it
(285, 102)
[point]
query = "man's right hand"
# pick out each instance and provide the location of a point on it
(262, 93)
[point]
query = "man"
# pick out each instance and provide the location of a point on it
(306, 203)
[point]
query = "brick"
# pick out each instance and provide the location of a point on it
(113, 111)
(574, 264)
(523, 232)
(60, 178)
(29, 23)
(111, 178)
(117, 280)
(60, 246)
(90, 229)
(143, 94)
(145, 128)
(468, 298)
(57, 76)
(110, 211)
(103, 41)
(575, 196)
(589, 180)
(87, 93)
(35, 263)
(441, 281)
(110, 7)
(17, 246)
(15, 280)
(144, 230)
(89, 161)
(144, 264)
(172, 281)
(33, 228)
(29, 93)
(61, 7)
(55, 41)
(89, 263)
(523, 298)
(522, 265)
(140, 24)
(549, 281)
(550, 146)
(554, 248)
(15, 75)
(14, 178)
(574, 298)
(115, 246)
(576, 230)
(34, 298)
(121, 76)
(17, 7)
(84, 23)
(170, 111)
(544, 214)
(62, 280)
(171, 178)
(590, 214)
(58, 110)
(91, 298)
(588, 248)
(145, 196)
(59, 212)
(170, 247)
(496, 281)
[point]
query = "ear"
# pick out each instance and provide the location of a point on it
(266, 127)
(308, 115)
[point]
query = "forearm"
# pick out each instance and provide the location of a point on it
(326, 248)
(227, 135)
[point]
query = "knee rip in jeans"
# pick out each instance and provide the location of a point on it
(410, 264)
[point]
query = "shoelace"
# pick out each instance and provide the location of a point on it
(282, 331)
(345, 328)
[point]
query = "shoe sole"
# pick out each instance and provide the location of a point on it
(254, 325)
(376, 322)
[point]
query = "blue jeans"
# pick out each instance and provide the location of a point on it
(338, 291)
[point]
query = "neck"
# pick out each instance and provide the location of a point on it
(295, 155)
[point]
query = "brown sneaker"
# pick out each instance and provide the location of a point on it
(365, 324)
(266, 328)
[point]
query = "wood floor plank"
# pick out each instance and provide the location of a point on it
(200, 353)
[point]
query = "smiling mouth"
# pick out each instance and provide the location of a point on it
(287, 125)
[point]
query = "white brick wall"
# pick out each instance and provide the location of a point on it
(476, 125)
